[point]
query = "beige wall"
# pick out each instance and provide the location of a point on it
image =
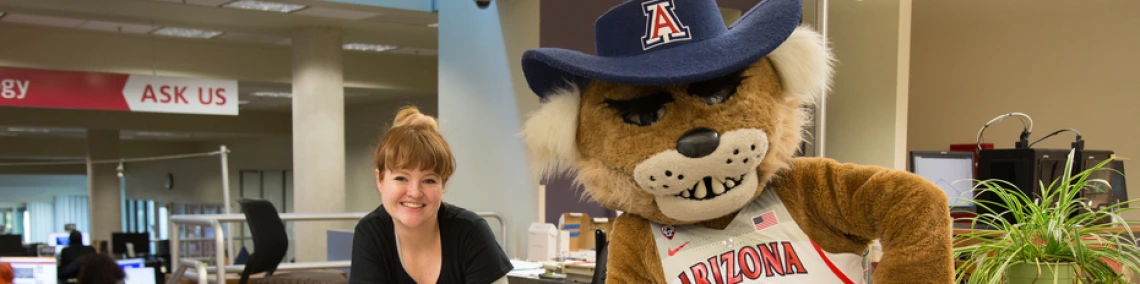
(1065, 63)
(866, 109)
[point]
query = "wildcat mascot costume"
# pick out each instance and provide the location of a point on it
(690, 128)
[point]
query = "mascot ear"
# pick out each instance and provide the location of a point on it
(804, 63)
(551, 133)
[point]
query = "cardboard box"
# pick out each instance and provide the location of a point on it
(579, 226)
(542, 242)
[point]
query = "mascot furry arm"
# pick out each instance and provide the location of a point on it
(701, 161)
(843, 207)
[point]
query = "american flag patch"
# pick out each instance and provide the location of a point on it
(765, 220)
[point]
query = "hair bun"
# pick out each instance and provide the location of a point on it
(411, 116)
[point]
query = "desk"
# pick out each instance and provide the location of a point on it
(524, 280)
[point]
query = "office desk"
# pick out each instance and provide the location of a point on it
(524, 280)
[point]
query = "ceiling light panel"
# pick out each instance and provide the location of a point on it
(264, 6)
(272, 94)
(335, 13)
(368, 47)
(185, 32)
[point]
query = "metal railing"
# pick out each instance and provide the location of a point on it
(201, 270)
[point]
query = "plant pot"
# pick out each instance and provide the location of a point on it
(1041, 273)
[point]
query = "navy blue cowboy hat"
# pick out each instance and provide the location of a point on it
(664, 42)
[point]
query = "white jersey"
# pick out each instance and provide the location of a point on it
(761, 245)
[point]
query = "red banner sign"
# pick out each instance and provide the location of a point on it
(22, 87)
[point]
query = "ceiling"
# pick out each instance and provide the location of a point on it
(277, 96)
(408, 32)
(125, 134)
(411, 32)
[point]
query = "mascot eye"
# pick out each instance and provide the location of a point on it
(643, 111)
(644, 118)
(717, 90)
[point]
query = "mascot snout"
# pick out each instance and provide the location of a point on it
(707, 176)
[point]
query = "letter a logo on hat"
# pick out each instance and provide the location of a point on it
(661, 24)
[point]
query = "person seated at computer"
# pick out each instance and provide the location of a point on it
(413, 237)
(68, 264)
(99, 269)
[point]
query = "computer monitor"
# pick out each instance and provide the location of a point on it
(64, 239)
(951, 171)
(137, 271)
(12, 245)
(32, 270)
(131, 263)
(140, 241)
(1112, 173)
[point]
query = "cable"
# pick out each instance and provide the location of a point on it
(1055, 133)
(1027, 127)
(115, 161)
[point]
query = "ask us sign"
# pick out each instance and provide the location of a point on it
(35, 88)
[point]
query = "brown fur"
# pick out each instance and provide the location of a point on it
(842, 207)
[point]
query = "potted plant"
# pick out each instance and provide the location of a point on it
(1055, 238)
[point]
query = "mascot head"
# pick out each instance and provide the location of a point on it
(678, 118)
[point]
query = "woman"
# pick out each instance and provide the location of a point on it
(413, 237)
(100, 269)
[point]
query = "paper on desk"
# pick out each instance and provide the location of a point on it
(526, 273)
(523, 265)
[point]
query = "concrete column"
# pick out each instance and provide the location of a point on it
(867, 107)
(318, 135)
(481, 105)
(103, 188)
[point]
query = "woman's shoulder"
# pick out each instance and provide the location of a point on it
(376, 219)
(458, 214)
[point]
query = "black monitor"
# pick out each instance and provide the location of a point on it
(12, 245)
(140, 241)
(1030, 170)
(951, 171)
(1113, 174)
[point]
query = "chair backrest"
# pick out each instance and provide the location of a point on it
(600, 259)
(270, 241)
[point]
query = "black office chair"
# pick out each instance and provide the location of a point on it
(270, 242)
(600, 258)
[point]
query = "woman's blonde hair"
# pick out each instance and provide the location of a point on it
(414, 141)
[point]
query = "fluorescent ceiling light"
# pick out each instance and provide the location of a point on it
(272, 94)
(433, 25)
(185, 32)
(368, 47)
(29, 130)
(265, 6)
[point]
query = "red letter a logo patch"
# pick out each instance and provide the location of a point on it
(661, 24)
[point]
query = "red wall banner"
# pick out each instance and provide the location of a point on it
(35, 88)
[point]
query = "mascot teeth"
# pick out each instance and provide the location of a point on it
(709, 188)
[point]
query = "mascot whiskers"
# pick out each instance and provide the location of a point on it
(691, 129)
